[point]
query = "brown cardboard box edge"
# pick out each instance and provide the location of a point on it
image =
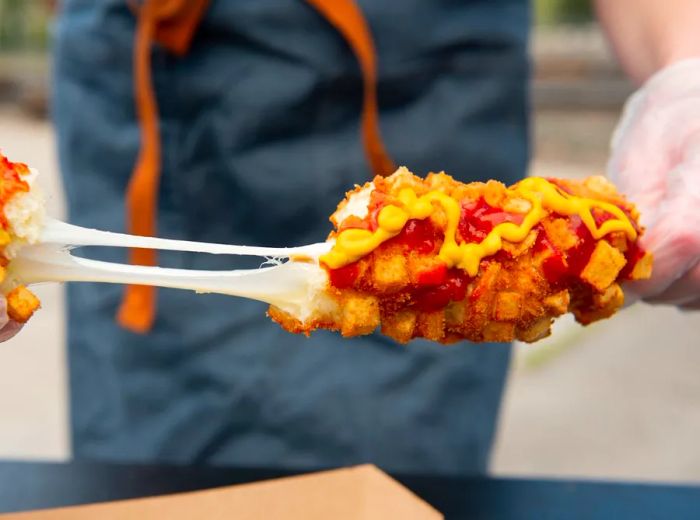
(359, 492)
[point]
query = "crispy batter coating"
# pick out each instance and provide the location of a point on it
(21, 304)
(605, 264)
(404, 286)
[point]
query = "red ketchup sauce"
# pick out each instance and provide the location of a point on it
(633, 255)
(478, 218)
(578, 256)
(554, 266)
(418, 235)
(434, 276)
(11, 183)
(559, 267)
(345, 276)
(433, 298)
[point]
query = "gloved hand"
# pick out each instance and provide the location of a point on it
(8, 327)
(655, 161)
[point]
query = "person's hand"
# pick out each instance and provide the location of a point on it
(655, 161)
(8, 327)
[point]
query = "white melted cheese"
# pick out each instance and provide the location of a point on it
(357, 204)
(298, 288)
(314, 302)
(25, 212)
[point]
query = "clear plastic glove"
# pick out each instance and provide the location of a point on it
(655, 161)
(8, 327)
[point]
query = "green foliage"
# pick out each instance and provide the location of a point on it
(24, 24)
(552, 12)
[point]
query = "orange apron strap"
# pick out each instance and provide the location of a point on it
(172, 23)
(348, 19)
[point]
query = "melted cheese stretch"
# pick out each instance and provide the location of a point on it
(544, 197)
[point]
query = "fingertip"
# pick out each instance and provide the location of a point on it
(10, 330)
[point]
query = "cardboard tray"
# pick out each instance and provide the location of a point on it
(358, 493)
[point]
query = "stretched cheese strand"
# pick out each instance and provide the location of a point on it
(57, 232)
(296, 287)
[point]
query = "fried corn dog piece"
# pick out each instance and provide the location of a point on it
(19, 208)
(438, 259)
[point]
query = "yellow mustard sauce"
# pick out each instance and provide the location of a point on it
(544, 197)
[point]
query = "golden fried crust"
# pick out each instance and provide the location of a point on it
(399, 325)
(431, 325)
(557, 303)
(604, 305)
(642, 269)
(605, 264)
(5, 238)
(389, 271)
(21, 304)
(559, 233)
(507, 306)
(536, 330)
(360, 315)
(513, 296)
(499, 331)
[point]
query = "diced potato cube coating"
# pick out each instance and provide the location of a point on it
(604, 266)
(494, 193)
(399, 326)
(642, 268)
(499, 331)
(420, 264)
(604, 305)
(4, 238)
(601, 185)
(517, 205)
(558, 303)
(507, 306)
(21, 304)
(360, 315)
(612, 296)
(431, 325)
(517, 249)
(559, 233)
(389, 272)
(455, 314)
(536, 330)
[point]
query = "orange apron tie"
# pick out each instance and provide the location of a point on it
(348, 19)
(172, 23)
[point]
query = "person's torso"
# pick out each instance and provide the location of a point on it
(260, 134)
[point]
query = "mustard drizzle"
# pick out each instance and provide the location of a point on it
(544, 197)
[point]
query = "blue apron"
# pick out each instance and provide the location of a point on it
(260, 134)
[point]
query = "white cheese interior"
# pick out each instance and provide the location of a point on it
(307, 299)
(357, 204)
(25, 213)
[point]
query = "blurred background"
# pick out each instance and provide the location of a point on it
(616, 400)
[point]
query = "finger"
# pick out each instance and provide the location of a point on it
(684, 291)
(692, 306)
(631, 297)
(4, 319)
(675, 257)
(674, 241)
(10, 330)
